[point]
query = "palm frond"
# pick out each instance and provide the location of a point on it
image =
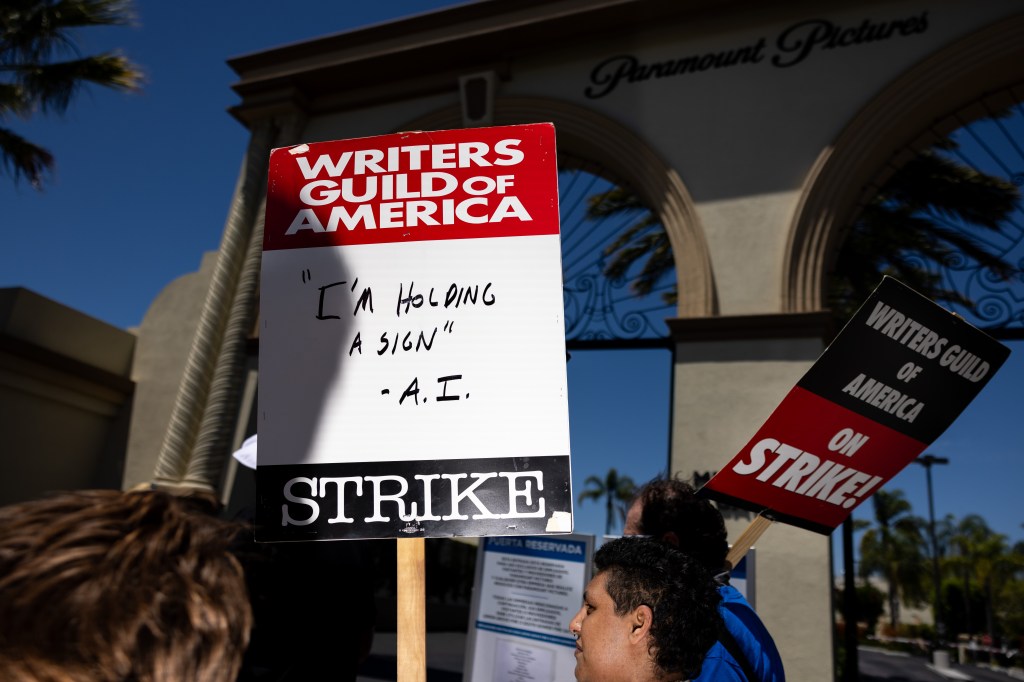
(21, 158)
(42, 69)
(52, 86)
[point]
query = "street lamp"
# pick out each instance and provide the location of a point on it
(927, 461)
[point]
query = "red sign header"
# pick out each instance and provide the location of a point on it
(411, 187)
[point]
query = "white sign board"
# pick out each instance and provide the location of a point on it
(412, 339)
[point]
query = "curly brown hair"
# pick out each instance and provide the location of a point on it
(673, 506)
(106, 585)
(680, 592)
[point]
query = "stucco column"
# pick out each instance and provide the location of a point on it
(209, 386)
(730, 373)
(213, 442)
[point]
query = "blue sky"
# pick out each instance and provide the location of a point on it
(130, 209)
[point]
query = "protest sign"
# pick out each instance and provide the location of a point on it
(412, 340)
(895, 378)
(526, 590)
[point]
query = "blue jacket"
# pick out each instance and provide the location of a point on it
(753, 639)
(719, 666)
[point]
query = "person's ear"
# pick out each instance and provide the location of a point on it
(641, 620)
(671, 538)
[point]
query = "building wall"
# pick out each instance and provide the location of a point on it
(724, 390)
(65, 398)
(743, 139)
(165, 339)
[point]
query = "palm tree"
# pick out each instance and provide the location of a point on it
(644, 240)
(41, 70)
(615, 489)
(895, 548)
(917, 219)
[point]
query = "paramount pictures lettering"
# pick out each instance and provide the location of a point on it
(791, 47)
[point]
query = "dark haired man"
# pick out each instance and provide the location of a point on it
(650, 614)
(111, 586)
(671, 511)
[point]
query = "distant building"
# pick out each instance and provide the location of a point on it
(65, 397)
(909, 614)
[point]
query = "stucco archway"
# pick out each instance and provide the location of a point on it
(590, 136)
(902, 117)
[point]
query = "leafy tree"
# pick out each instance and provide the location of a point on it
(993, 570)
(870, 604)
(1010, 609)
(617, 492)
(42, 69)
(895, 548)
(968, 533)
(961, 611)
(983, 557)
(945, 531)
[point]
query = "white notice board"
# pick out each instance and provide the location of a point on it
(526, 591)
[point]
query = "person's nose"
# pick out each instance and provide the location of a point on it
(576, 623)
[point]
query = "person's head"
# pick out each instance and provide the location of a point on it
(649, 613)
(669, 510)
(107, 585)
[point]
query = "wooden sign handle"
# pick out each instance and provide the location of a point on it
(740, 548)
(411, 623)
